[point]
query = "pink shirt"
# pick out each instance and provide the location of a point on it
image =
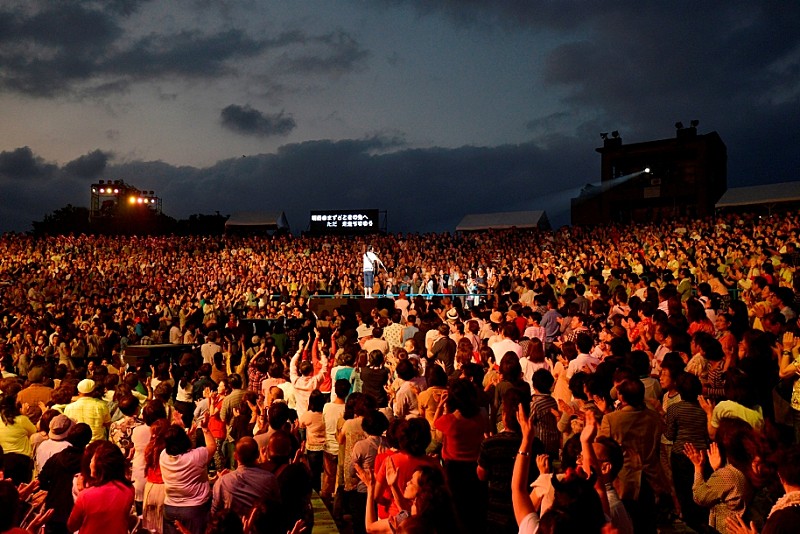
(102, 509)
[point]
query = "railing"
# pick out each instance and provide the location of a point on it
(392, 295)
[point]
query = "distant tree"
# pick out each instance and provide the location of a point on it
(203, 224)
(67, 220)
(125, 220)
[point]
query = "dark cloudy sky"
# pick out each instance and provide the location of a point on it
(427, 109)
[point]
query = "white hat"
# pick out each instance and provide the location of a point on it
(86, 386)
(363, 331)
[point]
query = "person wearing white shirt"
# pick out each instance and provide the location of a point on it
(505, 343)
(371, 264)
(210, 347)
(584, 360)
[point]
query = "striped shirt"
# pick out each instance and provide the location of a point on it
(545, 424)
(686, 423)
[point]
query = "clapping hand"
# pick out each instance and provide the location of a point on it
(714, 456)
(391, 472)
(695, 456)
(590, 428)
(565, 408)
(364, 474)
(39, 520)
(789, 341)
(736, 525)
(543, 463)
(705, 404)
(525, 423)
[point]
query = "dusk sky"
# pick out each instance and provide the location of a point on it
(426, 109)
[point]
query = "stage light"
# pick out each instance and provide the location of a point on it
(679, 125)
(604, 136)
(695, 123)
(140, 200)
(116, 191)
(647, 169)
(132, 200)
(615, 134)
(94, 190)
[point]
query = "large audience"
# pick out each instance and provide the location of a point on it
(621, 378)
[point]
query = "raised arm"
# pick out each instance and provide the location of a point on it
(520, 499)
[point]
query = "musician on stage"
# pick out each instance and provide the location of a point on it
(371, 265)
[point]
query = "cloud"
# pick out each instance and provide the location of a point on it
(332, 54)
(90, 165)
(248, 121)
(86, 49)
(189, 53)
(375, 172)
(21, 164)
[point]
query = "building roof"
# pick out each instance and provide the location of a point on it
(503, 220)
(269, 219)
(760, 194)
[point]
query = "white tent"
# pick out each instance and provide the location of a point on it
(503, 220)
(760, 194)
(252, 220)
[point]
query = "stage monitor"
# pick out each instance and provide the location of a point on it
(344, 222)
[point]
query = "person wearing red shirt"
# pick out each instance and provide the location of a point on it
(463, 428)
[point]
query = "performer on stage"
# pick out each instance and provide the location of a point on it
(371, 264)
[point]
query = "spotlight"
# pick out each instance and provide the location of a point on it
(695, 123)
(615, 134)
(604, 136)
(116, 191)
(140, 200)
(94, 190)
(647, 170)
(132, 200)
(679, 125)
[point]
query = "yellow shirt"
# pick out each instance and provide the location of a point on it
(93, 412)
(16, 437)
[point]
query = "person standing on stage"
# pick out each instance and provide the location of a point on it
(371, 264)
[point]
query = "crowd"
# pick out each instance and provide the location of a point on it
(582, 380)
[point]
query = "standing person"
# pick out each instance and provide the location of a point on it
(105, 506)
(638, 430)
(57, 474)
(313, 422)
(363, 455)
(331, 413)
(371, 263)
(462, 429)
(15, 428)
(496, 465)
(375, 378)
(153, 504)
(303, 378)
(183, 469)
(89, 409)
